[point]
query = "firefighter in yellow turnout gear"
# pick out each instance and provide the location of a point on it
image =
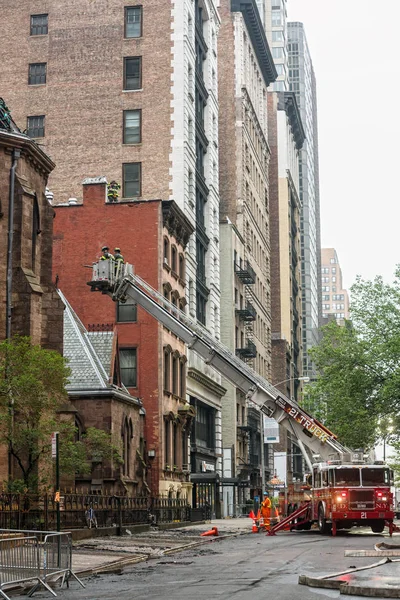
(266, 511)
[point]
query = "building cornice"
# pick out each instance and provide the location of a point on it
(258, 38)
(177, 224)
(287, 102)
(29, 149)
(108, 393)
(208, 383)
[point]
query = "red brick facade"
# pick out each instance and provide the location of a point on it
(137, 228)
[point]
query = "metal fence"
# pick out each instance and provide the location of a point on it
(36, 557)
(38, 512)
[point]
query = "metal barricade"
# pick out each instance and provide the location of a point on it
(19, 563)
(53, 557)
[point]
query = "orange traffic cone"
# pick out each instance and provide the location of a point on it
(213, 531)
(252, 515)
(255, 528)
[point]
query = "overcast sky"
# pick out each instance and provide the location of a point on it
(355, 52)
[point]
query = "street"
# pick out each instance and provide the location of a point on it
(248, 566)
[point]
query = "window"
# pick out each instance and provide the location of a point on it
(174, 255)
(39, 24)
(333, 261)
(334, 270)
(277, 52)
(127, 313)
(133, 73)
(204, 427)
(37, 73)
(277, 36)
(128, 366)
(175, 374)
(166, 251)
(201, 303)
(131, 180)
(182, 377)
(36, 230)
(182, 267)
(35, 127)
(276, 18)
(133, 21)
(333, 279)
(132, 126)
(167, 369)
(126, 436)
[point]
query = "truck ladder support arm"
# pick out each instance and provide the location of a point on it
(121, 283)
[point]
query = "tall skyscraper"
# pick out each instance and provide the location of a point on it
(303, 84)
(275, 24)
(335, 299)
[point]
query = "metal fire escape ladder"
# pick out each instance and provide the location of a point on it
(309, 432)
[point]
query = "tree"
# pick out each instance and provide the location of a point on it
(358, 386)
(32, 394)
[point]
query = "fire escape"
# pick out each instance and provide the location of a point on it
(247, 313)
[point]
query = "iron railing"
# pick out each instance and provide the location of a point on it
(39, 512)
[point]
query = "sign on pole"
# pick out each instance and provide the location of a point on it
(54, 444)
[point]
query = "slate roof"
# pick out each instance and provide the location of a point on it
(88, 371)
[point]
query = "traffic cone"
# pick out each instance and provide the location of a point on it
(254, 529)
(213, 531)
(252, 515)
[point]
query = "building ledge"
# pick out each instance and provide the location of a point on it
(258, 38)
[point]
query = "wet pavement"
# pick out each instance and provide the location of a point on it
(102, 554)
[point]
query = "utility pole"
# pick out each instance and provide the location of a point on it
(262, 455)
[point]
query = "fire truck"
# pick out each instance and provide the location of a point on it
(343, 488)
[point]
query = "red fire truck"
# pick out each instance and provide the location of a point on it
(345, 494)
(343, 491)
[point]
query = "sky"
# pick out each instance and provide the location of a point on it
(355, 52)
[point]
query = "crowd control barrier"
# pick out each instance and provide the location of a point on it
(35, 556)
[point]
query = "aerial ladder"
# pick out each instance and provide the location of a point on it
(315, 441)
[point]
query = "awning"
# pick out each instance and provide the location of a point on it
(204, 477)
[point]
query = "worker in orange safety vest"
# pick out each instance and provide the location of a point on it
(266, 511)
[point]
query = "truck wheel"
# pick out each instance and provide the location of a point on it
(322, 526)
(378, 527)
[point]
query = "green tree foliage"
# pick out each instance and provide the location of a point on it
(358, 387)
(32, 395)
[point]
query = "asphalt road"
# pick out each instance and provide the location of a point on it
(252, 566)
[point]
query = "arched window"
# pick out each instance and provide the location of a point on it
(167, 369)
(126, 435)
(167, 290)
(174, 255)
(35, 230)
(182, 266)
(175, 373)
(166, 251)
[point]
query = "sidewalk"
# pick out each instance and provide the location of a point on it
(102, 554)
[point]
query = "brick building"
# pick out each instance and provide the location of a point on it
(29, 303)
(131, 91)
(152, 236)
(286, 138)
(99, 400)
(246, 69)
